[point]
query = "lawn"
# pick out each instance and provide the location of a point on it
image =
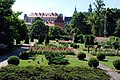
(109, 61)
(73, 60)
(24, 63)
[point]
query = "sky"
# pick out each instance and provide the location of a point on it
(65, 7)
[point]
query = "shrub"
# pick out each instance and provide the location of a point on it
(93, 62)
(24, 55)
(74, 45)
(116, 64)
(80, 38)
(115, 45)
(56, 58)
(87, 40)
(75, 38)
(81, 56)
(100, 56)
(13, 60)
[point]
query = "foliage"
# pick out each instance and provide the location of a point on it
(81, 56)
(27, 39)
(56, 58)
(52, 73)
(75, 38)
(54, 32)
(47, 39)
(116, 45)
(116, 64)
(38, 27)
(40, 39)
(108, 53)
(81, 38)
(100, 56)
(79, 24)
(93, 62)
(74, 45)
(13, 60)
(24, 55)
(117, 29)
(87, 40)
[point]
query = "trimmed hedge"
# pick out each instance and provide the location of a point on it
(101, 56)
(93, 62)
(13, 60)
(116, 64)
(24, 55)
(81, 56)
(52, 72)
(56, 58)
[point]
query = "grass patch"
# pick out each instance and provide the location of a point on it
(24, 63)
(109, 61)
(72, 59)
(75, 62)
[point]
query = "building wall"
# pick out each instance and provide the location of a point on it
(48, 18)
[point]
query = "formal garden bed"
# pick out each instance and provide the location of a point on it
(63, 53)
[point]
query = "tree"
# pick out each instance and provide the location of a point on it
(5, 11)
(40, 39)
(54, 31)
(117, 29)
(96, 19)
(78, 23)
(47, 39)
(38, 27)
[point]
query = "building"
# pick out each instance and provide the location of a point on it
(50, 19)
(67, 20)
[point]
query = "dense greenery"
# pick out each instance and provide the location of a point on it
(38, 28)
(52, 73)
(100, 56)
(56, 58)
(24, 55)
(13, 60)
(101, 22)
(116, 64)
(93, 62)
(81, 56)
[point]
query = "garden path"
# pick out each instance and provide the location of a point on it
(3, 59)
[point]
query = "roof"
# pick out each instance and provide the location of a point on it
(59, 19)
(43, 14)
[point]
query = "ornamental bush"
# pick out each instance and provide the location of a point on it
(81, 56)
(24, 55)
(56, 58)
(74, 45)
(13, 60)
(93, 62)
(100, 56)
(116, 64)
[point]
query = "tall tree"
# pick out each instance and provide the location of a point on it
(5, 11)
(97, 18)
(117, 29)
(38, 27)
(78, 23)
(54, 31)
